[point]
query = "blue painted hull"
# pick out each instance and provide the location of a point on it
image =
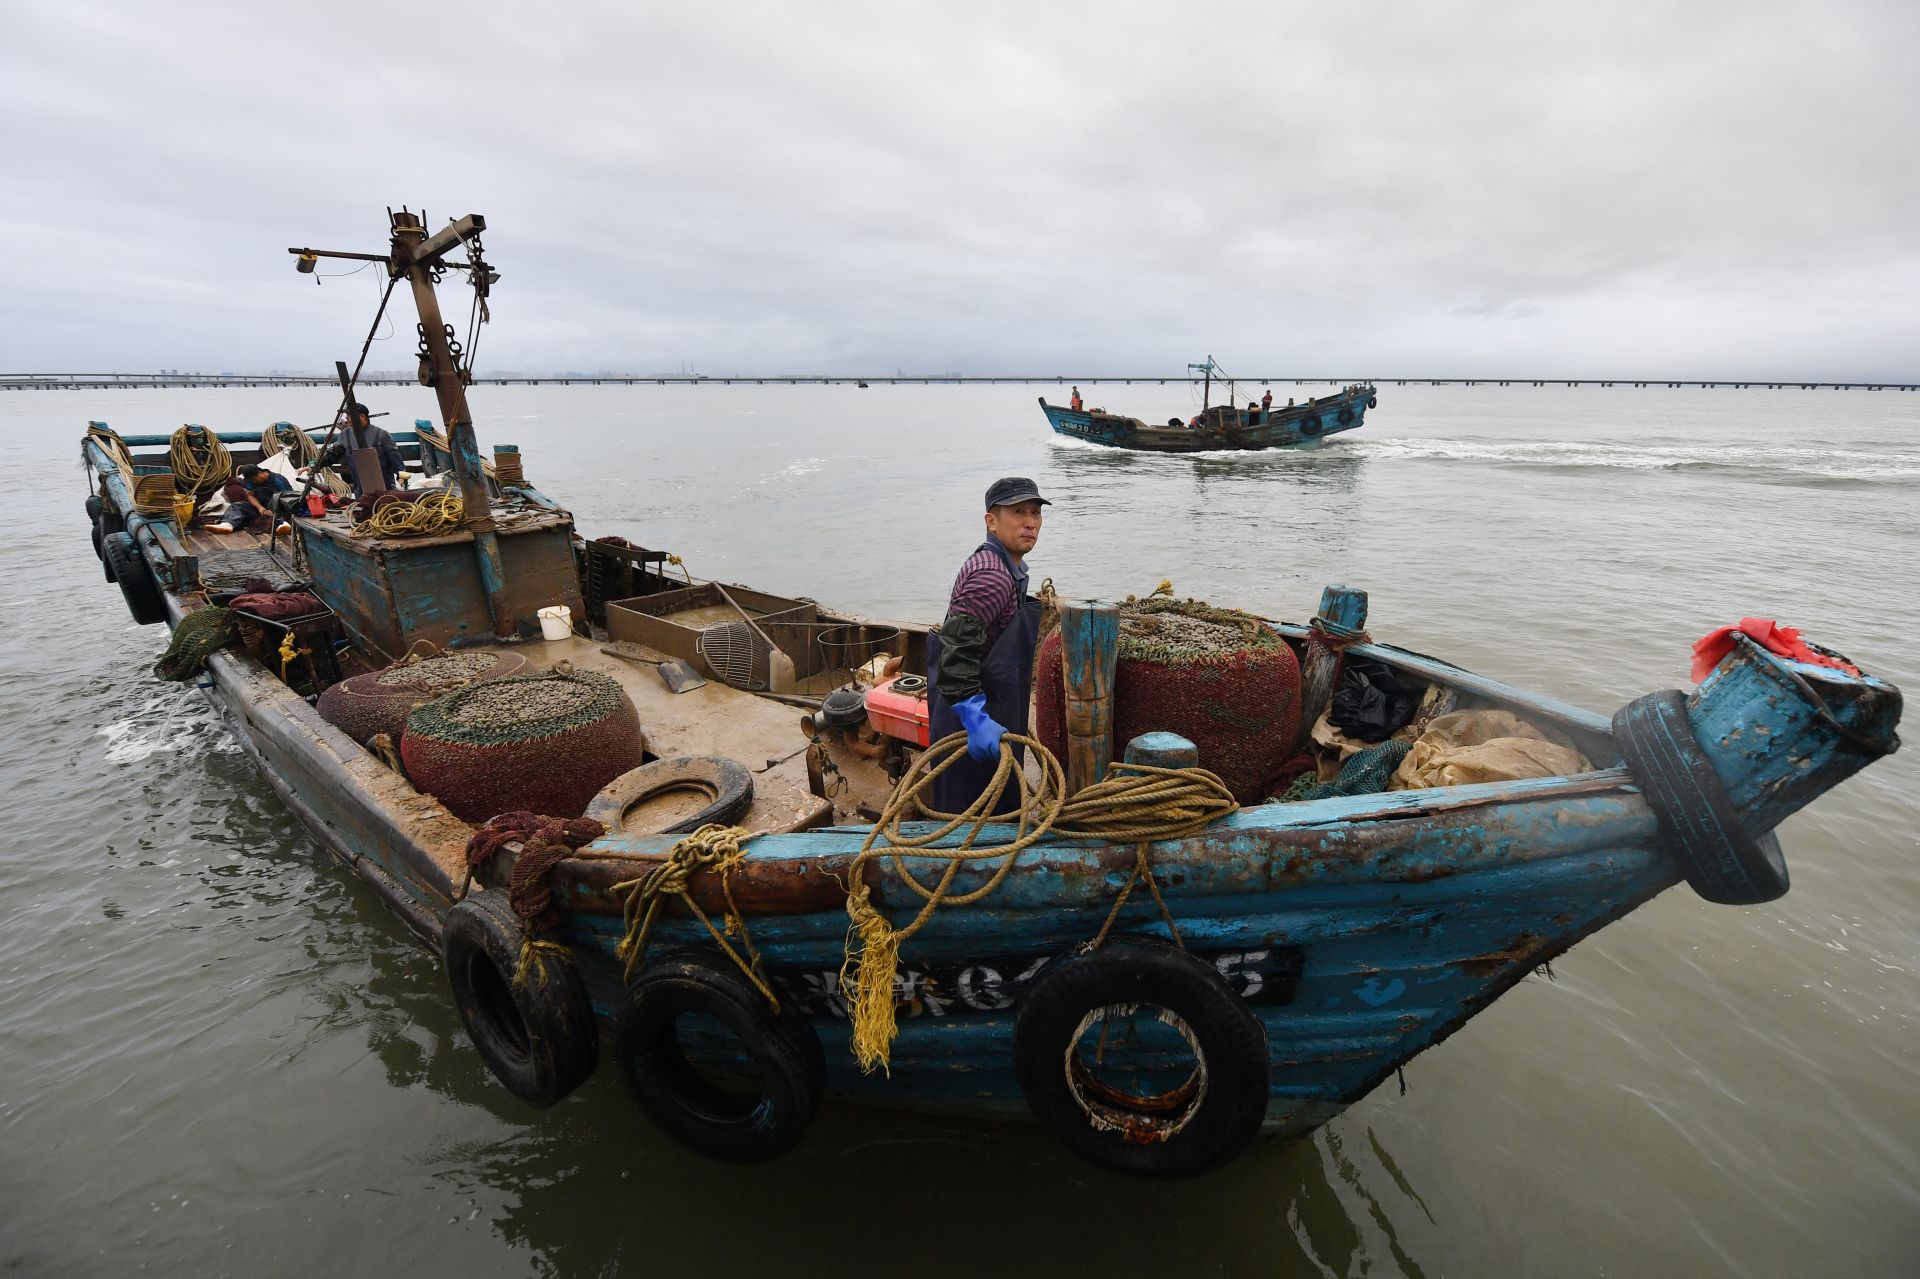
(1295, 426)
(1360, 931)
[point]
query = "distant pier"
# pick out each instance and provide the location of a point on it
(149, 381)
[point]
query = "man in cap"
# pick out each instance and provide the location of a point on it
(361, 433)
(980, 661)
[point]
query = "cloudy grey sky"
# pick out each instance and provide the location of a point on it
(1695, 188)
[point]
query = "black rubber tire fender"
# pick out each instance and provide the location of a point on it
(1373, 401)
(1721, 860)
(1310, 425)
(94, 507)
(726, 783)
(104, 523)
(733, 1126)
(130, 569)
(1346, 415)
(1219, 1119)
(538, 1039)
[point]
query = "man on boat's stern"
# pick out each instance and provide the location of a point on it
(980, 661)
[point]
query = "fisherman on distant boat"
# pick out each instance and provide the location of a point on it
(363, 434)
(1075, 402)
(1266, 404)
(980, 661)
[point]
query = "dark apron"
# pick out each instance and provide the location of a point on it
(1007, 679)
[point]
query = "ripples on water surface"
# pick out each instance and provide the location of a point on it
(219, 1055)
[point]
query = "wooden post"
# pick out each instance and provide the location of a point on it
(1343, 611)
(1089, 650)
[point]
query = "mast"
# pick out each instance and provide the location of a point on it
(417, 254)
(420, 258)
(1206, 390)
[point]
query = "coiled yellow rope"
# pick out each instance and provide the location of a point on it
(304, 452)
(199, 460)
(431, 513)
(1135, 802)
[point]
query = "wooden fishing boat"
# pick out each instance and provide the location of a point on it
(1220, 426)
(1158, 992)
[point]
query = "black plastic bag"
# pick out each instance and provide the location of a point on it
(1371, 703)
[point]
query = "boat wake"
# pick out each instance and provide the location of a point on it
(1778, 465)
(178, 723)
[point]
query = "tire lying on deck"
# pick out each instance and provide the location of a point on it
(779, 1068)
(725, 784)
(127, 566)
(1184, 1131)
(537, 1037)
(1697, 816)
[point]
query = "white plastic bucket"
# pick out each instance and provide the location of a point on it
(556, 621)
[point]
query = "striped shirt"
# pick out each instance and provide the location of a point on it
(989, 589)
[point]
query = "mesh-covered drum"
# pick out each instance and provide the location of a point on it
(544, 743)
(1216, 676)
(378, 702)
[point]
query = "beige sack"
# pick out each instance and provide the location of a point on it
(1484, 746)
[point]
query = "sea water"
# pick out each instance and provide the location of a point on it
(220, 1055)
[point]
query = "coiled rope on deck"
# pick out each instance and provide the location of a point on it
(199, 460)
(1135, 803)
(284, 437)
(430, 513)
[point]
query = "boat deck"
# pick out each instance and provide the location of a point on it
(715, 719)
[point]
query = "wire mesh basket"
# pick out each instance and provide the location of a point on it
(850, 646)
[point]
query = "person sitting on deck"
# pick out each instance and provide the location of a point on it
(362, 433)
(249, 497)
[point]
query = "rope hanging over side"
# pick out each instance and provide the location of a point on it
(545, 842)
(109, 442)
(1136, 803)
(713, 847)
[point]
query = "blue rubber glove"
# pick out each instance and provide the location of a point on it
(983, 734)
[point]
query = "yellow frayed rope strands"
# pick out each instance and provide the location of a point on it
(1134, 802)
(431, 513)
(713, 847)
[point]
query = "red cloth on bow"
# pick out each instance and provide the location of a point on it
(1770, 635)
